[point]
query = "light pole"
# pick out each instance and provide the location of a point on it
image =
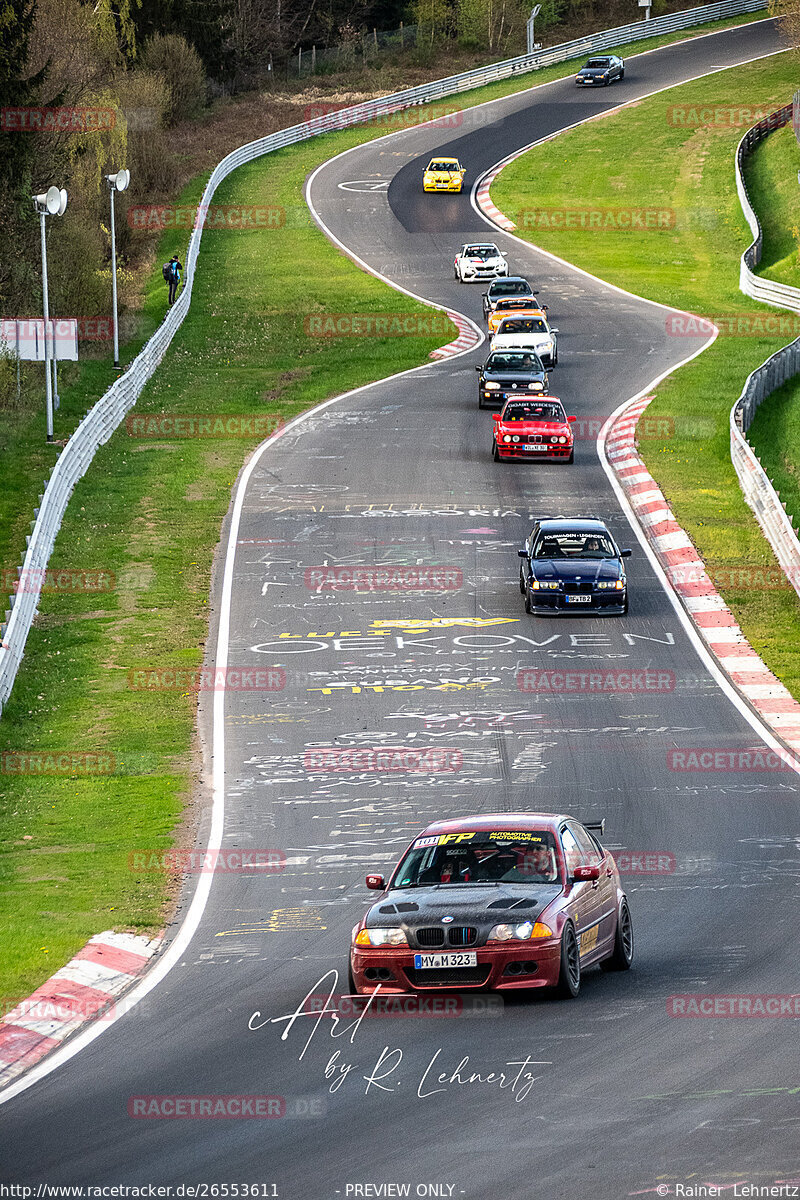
(116, 183)
(531, 19)
(51, 203)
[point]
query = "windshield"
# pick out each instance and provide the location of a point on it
(511, 287)
(598, 62)
(443, 164)
(510, 305)
(573, 545)
(545, 411)
(522, 325)
(518, 361)
(514, 857)
(481, 252)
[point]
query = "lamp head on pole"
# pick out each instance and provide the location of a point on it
(119, 181)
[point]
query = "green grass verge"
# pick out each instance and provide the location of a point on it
(149, 513)
(772, 182)
(695, 265)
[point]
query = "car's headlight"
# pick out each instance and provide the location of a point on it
(543, 585)
(381, 937)
(523, 932)
(537, 387)
(492, 387)
(548, 345)
(562, 440)
(507, 438)
(615, 585)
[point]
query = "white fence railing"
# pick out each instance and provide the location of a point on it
(758, 491)
(101, 421)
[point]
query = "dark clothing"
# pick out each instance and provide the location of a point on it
(174, 279)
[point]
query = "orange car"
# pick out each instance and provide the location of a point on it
(516, 306)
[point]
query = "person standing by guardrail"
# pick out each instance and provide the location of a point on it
(172, 274)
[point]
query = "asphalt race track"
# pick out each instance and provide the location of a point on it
(611, 1096)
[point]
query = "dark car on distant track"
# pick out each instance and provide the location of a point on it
(510, 373)
(573, 564)
(600, 71)
(498, 901)
(502, 289)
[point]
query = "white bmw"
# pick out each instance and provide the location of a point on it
(479, 260)
(530, 331)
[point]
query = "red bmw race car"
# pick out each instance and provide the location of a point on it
(533, 427)
(509, 900)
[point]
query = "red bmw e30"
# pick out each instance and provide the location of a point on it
(533, 427)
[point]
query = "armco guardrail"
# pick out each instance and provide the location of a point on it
(98, 424)
(758, 491)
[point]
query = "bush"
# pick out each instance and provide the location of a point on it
(145, 102)
(181, 67)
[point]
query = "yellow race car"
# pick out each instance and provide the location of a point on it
(443, 175)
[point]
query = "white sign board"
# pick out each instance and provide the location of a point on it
(24, 337)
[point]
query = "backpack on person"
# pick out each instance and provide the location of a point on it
(166, 271)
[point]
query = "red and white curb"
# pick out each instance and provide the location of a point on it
(84, 990)
(686, 572)
(484, 200)
(467, 337)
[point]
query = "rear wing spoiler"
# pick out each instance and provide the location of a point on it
(596, 826)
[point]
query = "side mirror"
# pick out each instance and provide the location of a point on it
(586, 874)
(479, 369)
(523, 553)
(553, 330)
(625, 553)
(495, 416)
(376, 883)
(572, 420)
(544, 307)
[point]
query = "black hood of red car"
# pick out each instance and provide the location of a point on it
(478, 904)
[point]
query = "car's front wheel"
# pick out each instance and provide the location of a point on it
(521, 581)
(351, 983)
(569, 977)
(621, 956)
(571, 458)
(495, 452)
(528, 605)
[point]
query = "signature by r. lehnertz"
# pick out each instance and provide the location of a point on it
(516, 1077)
